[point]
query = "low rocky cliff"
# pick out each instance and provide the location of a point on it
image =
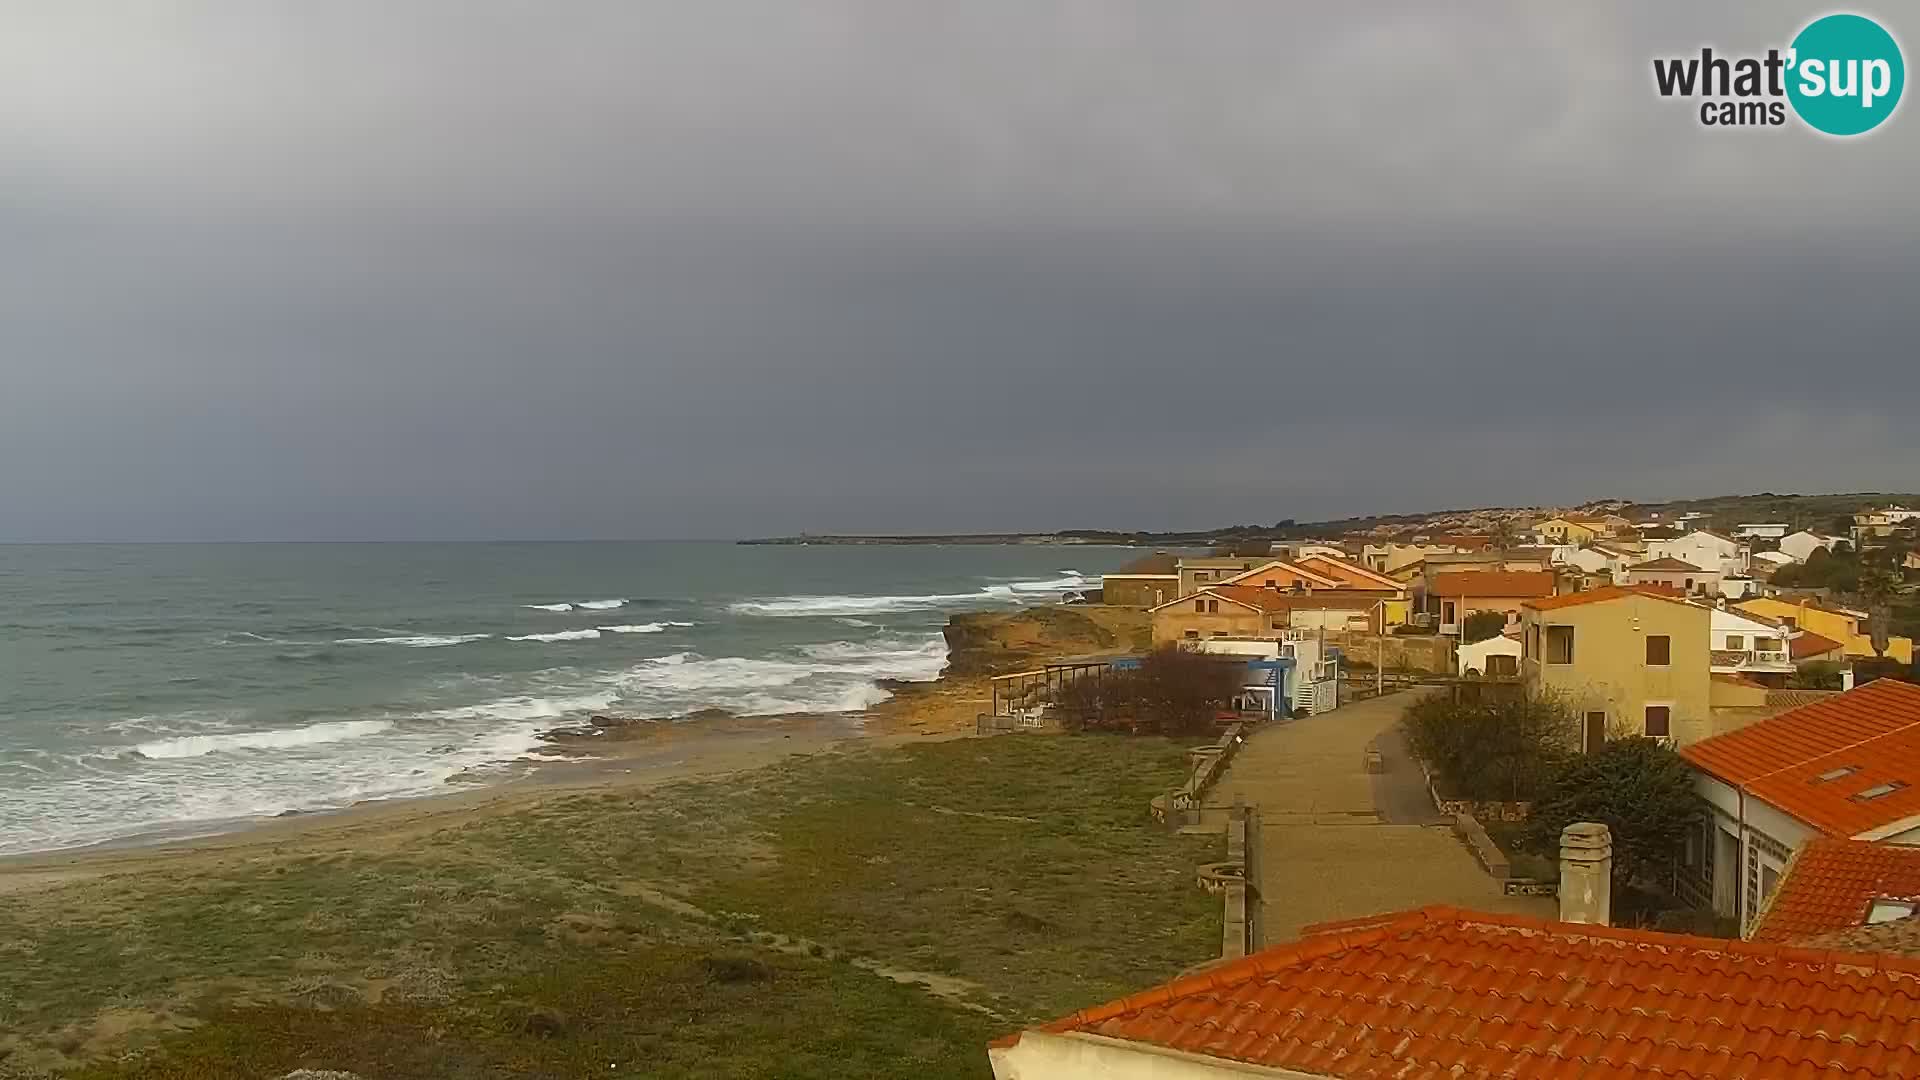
(994, 643)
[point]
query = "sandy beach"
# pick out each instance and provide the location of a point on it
(576, 759)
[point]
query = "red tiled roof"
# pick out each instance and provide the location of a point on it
(1832, 883)
(1441, 992)
(1610, 592)
(1279, 600)
(1492, 583)
(1873, 732)
(1667, 563)
(1808, 643)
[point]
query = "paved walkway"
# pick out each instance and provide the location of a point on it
(1337, 842)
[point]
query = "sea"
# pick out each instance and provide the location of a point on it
(165, 690)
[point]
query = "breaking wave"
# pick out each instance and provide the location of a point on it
(581, 605)
(193, 746)
(843, 606)
(587, 634)
(415, 641)
(643, 628)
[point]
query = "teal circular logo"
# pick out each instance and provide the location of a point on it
(1846, 74)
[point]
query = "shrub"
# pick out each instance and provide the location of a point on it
(1494, 748)
(1173, 692)
(1640, 790)
(1482, 625)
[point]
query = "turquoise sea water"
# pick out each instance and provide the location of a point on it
(161, 689)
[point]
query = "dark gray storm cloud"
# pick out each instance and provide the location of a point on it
(481, 268)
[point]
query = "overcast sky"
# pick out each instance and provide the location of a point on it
(472, 268)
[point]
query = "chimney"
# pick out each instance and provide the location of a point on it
(1586, 874)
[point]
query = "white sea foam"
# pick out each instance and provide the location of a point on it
(848, 620)
(415, 641)
(528, 707)
(600, 605)
(587, 634)
(842, 606)
(549, 607)
(643, 628)
(193, 746)
(826, 677)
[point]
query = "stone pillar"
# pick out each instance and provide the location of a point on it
(1586, 874)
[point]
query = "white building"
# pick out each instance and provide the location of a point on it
(1302, 667)
(1495, 657)
(1800, 546)
(1707, 550)
(1769, 561)
(1741, 645)
(1764, 530)
(1846, 766)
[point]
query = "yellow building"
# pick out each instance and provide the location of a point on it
(1844, 626)
(1630, 660)
(1570, 530)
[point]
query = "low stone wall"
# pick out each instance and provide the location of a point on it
(1484, 809)
(1181, 806)
(1412, 652)
(1231, 881)
(1495, 862)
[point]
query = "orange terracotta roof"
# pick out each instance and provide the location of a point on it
(1824, 763)
(1281, 570)
(1351, 573)
(1808, 643)
(1598, 596)
(1901, 937)
(1492, 583)
(1440, 992)
(1667, 563)
(1277, 600)
(1832, 883)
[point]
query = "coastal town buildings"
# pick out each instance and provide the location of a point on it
(1703, 548)
(1453, 596)
(1800, 546)
(1745, 645)
(1845, 625)
(1497, 657)
(1145, 582)
(1631, 660)
(1846, 766)
(1671, 573)
(1250, 611)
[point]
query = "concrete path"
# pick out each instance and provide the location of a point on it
(1337, 842)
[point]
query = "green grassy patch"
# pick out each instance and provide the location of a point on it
(771, 924)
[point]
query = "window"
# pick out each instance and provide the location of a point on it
(1658, 721)
(1596, 731)
(1202, 575)
(1193, 635)
(1559, 641)
(1200, 606)
(1879, 791)
(1689, 584)
(1886, 910)
(1213, 607)
(1272, 584)
(1659, 650)
(1736, 642)
(1831, 775)
(1219, 633)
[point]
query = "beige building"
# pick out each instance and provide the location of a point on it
(1570, 530)
(1145, 582)
(1452, 597)
(1630, 660)
(1202, 571)
(1246, 611)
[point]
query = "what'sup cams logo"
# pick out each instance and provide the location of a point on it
(1842, 75)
